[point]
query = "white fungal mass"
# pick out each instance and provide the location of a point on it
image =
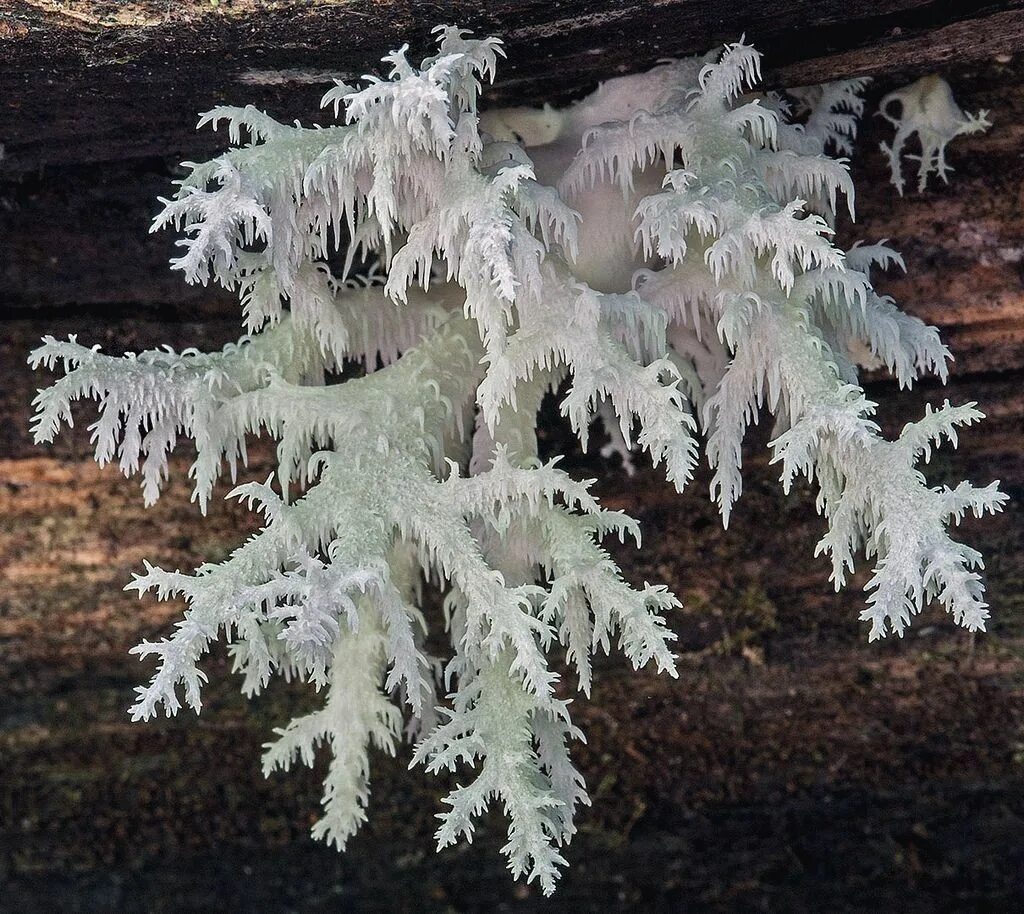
(668, 268)
(927, 108)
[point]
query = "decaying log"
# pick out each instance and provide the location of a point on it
(105, 79)
(792, 767)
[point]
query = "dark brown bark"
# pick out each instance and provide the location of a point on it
(791, 766)
(98, 79)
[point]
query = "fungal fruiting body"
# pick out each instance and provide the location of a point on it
(660, 256)
(927, 108)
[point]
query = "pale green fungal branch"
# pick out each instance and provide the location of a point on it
(927, 108)
(661, 255)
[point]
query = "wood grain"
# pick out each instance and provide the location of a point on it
(790, 767)
(101, 80)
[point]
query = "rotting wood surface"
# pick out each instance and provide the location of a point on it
(89, 80)
(791, 767)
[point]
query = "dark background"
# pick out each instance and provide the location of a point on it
(790, 767)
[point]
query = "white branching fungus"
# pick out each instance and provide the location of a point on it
(927, 108)
(661, 251)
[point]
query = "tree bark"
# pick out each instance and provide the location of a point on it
(100, 80)
(791, 767)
